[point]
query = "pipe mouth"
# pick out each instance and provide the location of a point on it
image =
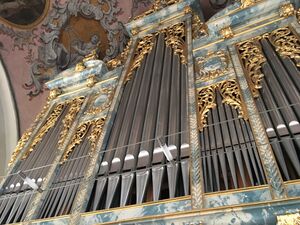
(281, 126)
(293, 123)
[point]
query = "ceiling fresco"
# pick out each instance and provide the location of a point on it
(22, 12)
(57, 35)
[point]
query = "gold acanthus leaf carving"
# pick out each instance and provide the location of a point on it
(25, 137)
(50, 122)
(109, 92)
(286, 43)
(253, 59)
(143, 48)
(78, 137)
(69, 118)
(206, 101)
(175, 39)
(96, 132)
(289, 219)
(120, 59)
(231, 95)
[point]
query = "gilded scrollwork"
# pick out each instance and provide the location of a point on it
(21, 143)
(175, 39)
(212, 65)
(69, 118)
(109, 93)
(144, 46)
(289, 219)
(231, 95)
(206, 101)
(286, 43)
(78, 137)
(253, 58)
(199, 28)
(96, 132)
(50, 122)
(120, 59)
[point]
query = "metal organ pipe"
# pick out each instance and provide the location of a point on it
(279, 108)
(14, 209)
(153, 105)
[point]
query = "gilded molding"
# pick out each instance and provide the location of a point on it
(286, 43)
(80, 133)
(96, 132)
(287, 10)
(231, 95)
(226, 33)
(298, 15)
(253, 58)
(289, 219)
(206, 101)
(69, 119)
(120, 59)
(109, 91)
(50, 122)
(175, 39)
(205, 73)
(144, 47)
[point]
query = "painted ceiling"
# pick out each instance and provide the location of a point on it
(40, 38)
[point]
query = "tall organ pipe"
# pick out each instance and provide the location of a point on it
(154, 104)
(14, 209)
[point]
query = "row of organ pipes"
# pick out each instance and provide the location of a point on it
(146, 155)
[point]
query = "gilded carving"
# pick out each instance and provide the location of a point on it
(298, 15)
(109, 92)
(287, 10)
(69, 118)
(206, 101)
(231, 95)
(289, 219)
(53, 94)
(199, 28)
(144, 46)
(175, 39)
(80, 133)
(253, 58)
(91, 80)
(120, 59)
(96, 131)
(286, 43)
(50, 122)
(248, 3)
(226, 32)
(211, 66)
(25, 137)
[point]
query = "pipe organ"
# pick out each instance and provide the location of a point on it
(195, 122)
